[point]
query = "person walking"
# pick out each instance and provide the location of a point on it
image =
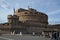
(54, 37)
(57, 35)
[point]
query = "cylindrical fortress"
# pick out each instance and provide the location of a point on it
(31, 15)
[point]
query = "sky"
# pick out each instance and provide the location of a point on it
(49, 7)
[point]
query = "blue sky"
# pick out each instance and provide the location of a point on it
(50, 7)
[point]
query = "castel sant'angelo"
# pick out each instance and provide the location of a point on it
(27, 21)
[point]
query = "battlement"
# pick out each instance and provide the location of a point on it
(29, 11)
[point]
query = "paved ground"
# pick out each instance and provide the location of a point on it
(22, 37)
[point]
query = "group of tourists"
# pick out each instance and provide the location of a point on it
(55, 36)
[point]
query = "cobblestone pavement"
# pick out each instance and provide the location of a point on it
(22, 37)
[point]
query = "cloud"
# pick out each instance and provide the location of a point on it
(54, 17)
(53, 12)
(30, 2)
(4, 4)
(2, 0)
(3, 18)
(17, 5)
(54, 21)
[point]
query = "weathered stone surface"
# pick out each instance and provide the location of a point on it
(27, 21)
